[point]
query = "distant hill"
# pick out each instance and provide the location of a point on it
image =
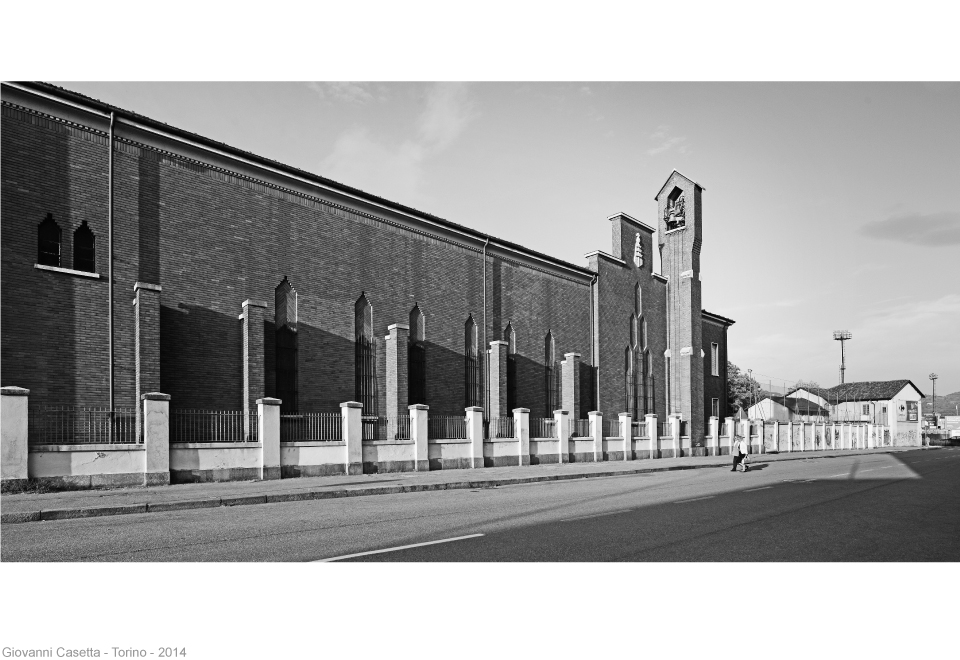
(946, 403)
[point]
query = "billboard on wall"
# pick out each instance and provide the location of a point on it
(912, 411)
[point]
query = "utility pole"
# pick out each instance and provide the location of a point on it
(842, 336)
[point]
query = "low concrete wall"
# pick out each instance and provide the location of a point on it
(389, 456)
(87, 466)
(214, 461)
(447, 454)
(312, 459)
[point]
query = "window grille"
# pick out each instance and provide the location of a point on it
(84, 249)
(471, 365)
(551, 375)
(48, 242)
(365, 366)
(417, 383)
(286, 343)
(510, 337)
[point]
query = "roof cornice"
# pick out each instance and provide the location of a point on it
(152, 126)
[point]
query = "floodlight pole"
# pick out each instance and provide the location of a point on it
(842, 336)
(933, 378)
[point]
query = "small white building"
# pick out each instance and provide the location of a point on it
(894, 403)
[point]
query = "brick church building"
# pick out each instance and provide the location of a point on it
(234, 277)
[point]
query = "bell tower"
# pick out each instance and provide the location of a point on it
(679, 223)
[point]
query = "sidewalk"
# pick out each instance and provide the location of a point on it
(29, 507)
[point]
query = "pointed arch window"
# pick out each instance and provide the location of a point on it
(471, 365)
(84, 249)
(551, 375)
(285, 322)
(365, 364)
(417, 356)
(637, 300)
(628, 389)
(48, 242)
(510, 337)
(633, 330)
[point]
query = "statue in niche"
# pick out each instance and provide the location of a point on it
(674, 215)
(638, 252)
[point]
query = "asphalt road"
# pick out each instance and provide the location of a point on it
(889, 507)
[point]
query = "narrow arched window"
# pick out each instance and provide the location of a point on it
(628, 380)
(551, 374)
(637, 300)
(84, 249)
(471, 364)
(48, 242)
(417, 358)
(365, 364)
(510, 337)
(633, 330)
(285, 323)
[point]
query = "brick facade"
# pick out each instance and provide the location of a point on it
(216, 230)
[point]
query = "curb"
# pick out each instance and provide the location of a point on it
(246, 500)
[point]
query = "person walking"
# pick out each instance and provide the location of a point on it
(740, 449)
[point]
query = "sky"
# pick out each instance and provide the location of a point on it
(827, 206)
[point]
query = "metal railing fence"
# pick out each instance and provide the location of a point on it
(79, 425)
(580, 428)
(373, 428)
(401, 426)
(611, 428)
(188, 425)
(447, 428)
(500, 427)
(543, 427)
(306, 427)
(664, 429)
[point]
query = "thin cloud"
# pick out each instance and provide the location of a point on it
(928, 230)
(447, 113)
(396, 171)
(349, 92)
(666, 141)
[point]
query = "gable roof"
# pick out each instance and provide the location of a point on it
(671, 176)
(801, 406)
(869, 390)
(796, 405)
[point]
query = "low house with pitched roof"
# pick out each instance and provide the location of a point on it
(894, 403)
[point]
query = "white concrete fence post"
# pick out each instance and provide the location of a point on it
(521, 430)
(713, 441)
(475, 435)
(790, 436)
(626, 432)
(561, 419)
(654, 433)
(870, 443)
(350, 417)
(419, 414)
(14, 416)
(156, 439)
(776, 436)
(596, 432)
(675, 433)
(268, 432)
